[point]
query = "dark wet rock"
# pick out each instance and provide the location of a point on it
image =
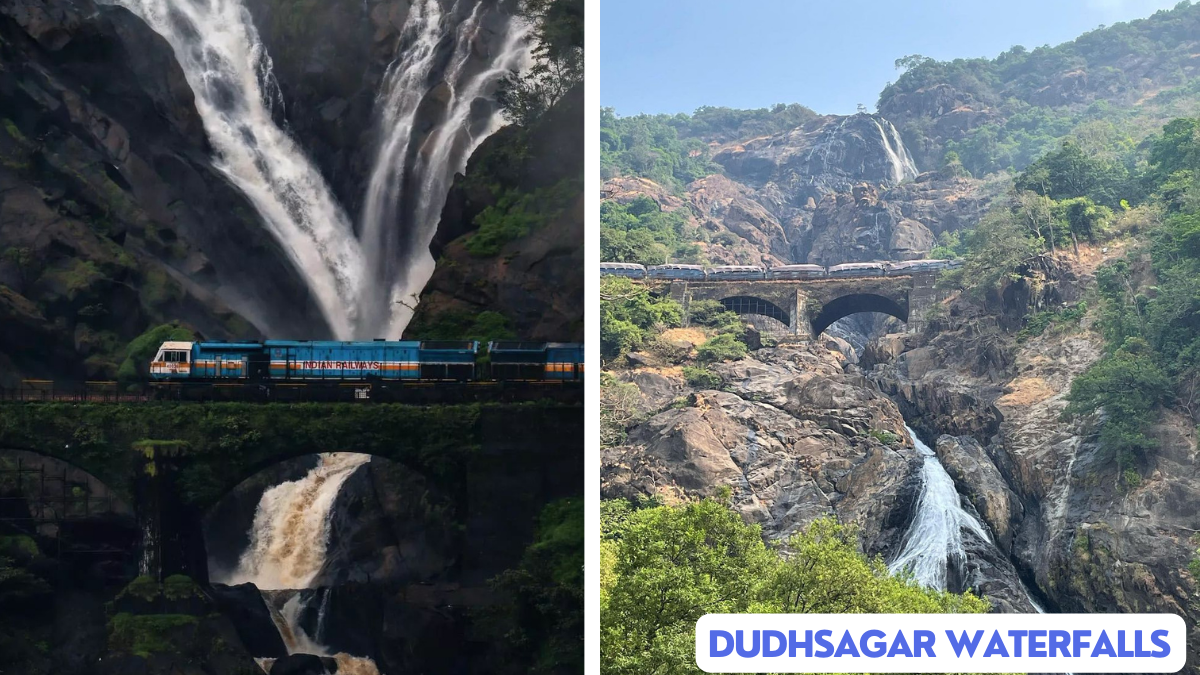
(244, 606)
(534, 281)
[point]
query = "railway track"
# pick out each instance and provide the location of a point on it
(422, 392)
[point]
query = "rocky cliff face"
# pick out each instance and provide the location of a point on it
(838, 189)
(111, 215)
(789, 434)
(534, 281)
(1058, 508)
(797, 433)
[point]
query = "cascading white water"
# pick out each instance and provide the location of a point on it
(287, 552)
(418, 156)
(428, 126)
(903, 166)
(292, 527)
(935, 539)
(227, 68)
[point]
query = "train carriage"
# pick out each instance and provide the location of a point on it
(620, 269)
(332, 360)
(564, 361)
(736, 273)
(448, 360)
(511, 360)
(857, 269)
(916, 266)
(688, 272)
(796, 272)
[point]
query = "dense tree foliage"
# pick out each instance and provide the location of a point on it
(1150, 317)
(641, 232)
(663, 567)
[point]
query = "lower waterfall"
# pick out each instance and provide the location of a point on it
(935, 549)
(934, 542)
(287, 553)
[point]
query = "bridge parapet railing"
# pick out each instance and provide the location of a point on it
(48, 390)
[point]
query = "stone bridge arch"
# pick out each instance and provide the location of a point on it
(495, 459)
(749, 304)
(856, 303)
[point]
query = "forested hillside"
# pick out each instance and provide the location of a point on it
(1056, 379)
(1112, 86)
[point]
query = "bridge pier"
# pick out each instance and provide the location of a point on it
(172, 540)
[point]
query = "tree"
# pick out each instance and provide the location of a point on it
(627, 312)
(557, 59)
(999, 246)
(1129, 387)
(1070, 172)
(620, 408)
(1084, 217)
(663, 567)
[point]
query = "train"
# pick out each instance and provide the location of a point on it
(383, 361)
(781, 272)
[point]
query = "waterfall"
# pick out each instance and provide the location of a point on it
(229, 71)
(903, 166)
(934, 541)
(287, 552)
(427, 134)
(433, 110)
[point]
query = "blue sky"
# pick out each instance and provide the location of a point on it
(668, 56)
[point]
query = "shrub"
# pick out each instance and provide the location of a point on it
(724, 347)
(701, 377)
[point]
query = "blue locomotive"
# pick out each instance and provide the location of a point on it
(317, 361)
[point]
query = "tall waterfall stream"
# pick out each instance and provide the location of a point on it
(933, 549)
(934, 542)
(433, 109)
(289, 541)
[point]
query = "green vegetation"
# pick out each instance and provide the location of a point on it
(461, 324)
(663, 567)
(516, 213)
(225, 442)
(701, 377)
(672, 150)
(1149, 301)
(620, 408)
(640, 232)
(557, 60)
(884, 436)
(629, 314)
(1079, 89)
(721, 347)
(1150, 317)
(146, 634)
(1038, 323)
(542, 623)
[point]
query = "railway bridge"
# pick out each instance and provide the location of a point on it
(162, 466)
(806, 307)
